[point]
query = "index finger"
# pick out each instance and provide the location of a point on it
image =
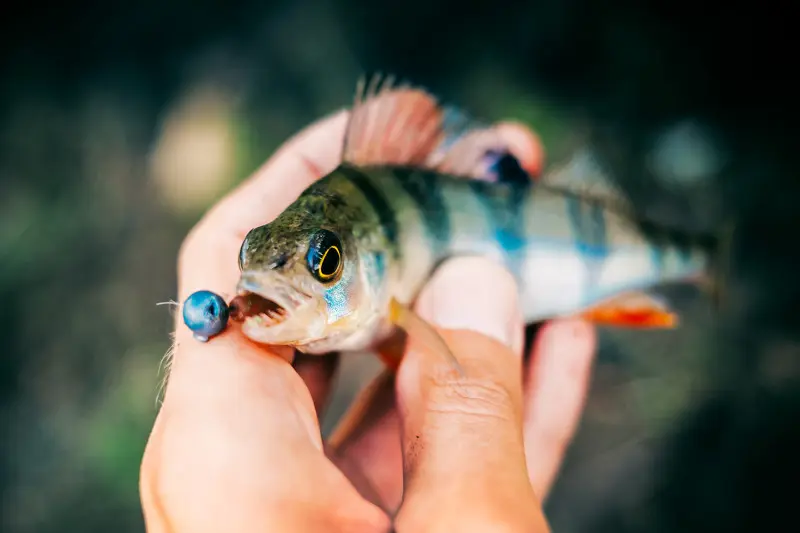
(464, 457)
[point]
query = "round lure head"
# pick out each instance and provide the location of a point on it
(308, 282)
(206, 314)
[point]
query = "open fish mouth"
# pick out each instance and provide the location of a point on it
(264, 303)
(262, 311)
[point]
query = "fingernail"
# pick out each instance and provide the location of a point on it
(473, 294)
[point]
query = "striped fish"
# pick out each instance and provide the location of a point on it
(420, 183)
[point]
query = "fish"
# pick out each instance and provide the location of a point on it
(421, 182)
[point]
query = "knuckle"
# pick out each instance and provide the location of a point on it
(480, 398)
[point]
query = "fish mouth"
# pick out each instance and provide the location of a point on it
(264, 311)
(272, 310)
(267, 297)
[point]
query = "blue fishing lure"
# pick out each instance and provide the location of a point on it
(206, 314)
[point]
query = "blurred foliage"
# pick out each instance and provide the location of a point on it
(120, 124)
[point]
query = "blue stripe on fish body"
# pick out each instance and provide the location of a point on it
(590, 234)
(599, 231)
(590, 239)
(504, 210)
(378, 271)
(510, 232)
(509, 241)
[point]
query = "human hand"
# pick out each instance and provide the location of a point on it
(236, 445)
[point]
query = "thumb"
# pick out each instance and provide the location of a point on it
(464, 457)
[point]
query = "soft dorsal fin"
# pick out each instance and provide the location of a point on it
(407, 126)
(583, 175)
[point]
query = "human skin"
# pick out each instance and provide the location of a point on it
(236, 445)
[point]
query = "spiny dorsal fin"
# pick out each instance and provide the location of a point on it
(407, 126)
(584, 176)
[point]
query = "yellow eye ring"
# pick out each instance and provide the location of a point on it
(328, 265)
(327, 261)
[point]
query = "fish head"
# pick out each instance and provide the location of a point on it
(310, 281)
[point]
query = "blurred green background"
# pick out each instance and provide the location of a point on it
(120, 123)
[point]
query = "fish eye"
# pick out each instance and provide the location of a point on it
(324, 258)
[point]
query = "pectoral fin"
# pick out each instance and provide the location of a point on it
(418, 329)
(632, 310)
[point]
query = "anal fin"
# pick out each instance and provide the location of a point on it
(632, 310)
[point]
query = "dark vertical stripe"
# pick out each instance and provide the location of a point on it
(599, 238)
(378, 201)
(666, 238)
(599, 230)
(589, 230)
(425, 188)
(503, 204)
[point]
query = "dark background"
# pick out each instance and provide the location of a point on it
(120, 123)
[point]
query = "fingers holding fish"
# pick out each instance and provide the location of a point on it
(237, 434)
(336, 236)
(367, 441)
(463, 448)
(524, 144)
(557, 385)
